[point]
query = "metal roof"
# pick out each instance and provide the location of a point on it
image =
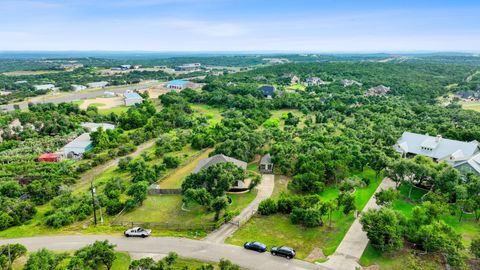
(207, 162)
(94, 126)
(132, 95)
(436, 147)
(178, 82)
(81, 141)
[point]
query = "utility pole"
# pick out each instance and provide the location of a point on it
(93, 203)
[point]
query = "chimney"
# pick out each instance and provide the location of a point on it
(439, 138)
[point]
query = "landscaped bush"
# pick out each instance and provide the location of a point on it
(268, 207)
(310, 217)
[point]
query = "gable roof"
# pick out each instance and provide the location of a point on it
(132, 95)
(436, 147)
(267, 90)
(473, 162)
(178, 82)
(82, 141)
(207, 162)
(266, 159)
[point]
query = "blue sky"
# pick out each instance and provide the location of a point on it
(241, 25)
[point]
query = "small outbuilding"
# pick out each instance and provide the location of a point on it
(50, 157)
(266, 164)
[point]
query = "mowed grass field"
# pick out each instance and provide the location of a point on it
(278, 230)
(474, 106)
(168, 209)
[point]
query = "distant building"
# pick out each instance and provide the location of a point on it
(132, 98)
(178, 84)
(71, 66)
(312, 81)
(44, 86)
(465, 156)
(267, 91)
(20, 82)
(136, 66)
(77, 87)
(97, 84)
(125, 67)
(78, 146)
(5, 93)
(92, 127)
(469, 95)
(380, 90)
(347, 83)
(266, 164)
(50, 157)
(109, 94)
(188, 67)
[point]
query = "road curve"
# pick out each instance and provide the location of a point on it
(188, 248)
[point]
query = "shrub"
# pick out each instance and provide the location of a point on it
(171, 161)
(268, 207)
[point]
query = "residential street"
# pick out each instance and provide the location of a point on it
(355, 241)
(265, 190)
(155, 246)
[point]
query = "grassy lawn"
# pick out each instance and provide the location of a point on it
(116, 110)
(175, 179)
(282, 114)
(212, 113)
(297, 86)
(402, 259)
(278, 230)
(168, 208)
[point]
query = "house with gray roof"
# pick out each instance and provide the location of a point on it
(207, 162)
(379, 90)
(464, 156)
(267, 91)
(216, 159)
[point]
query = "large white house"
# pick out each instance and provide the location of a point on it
(465, 156)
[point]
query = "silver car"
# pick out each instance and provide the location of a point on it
(137, 232)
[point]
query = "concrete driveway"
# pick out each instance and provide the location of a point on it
(159, 246)
(265, 190)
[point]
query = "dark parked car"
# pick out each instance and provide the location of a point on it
(257, 246)
(283, 251)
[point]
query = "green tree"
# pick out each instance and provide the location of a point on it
(219, 204)
(385, 197)
(383, 228)
(9, 253)
(44, 260)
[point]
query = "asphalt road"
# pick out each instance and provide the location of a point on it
(74, 96)
(154, 246)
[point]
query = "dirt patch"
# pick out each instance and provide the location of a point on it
(316, 254)
(155, 92)
(106, 103)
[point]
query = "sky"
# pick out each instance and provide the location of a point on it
(241, 25)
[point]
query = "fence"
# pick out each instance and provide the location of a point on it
(156, 190)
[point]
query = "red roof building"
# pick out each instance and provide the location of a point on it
(50, 157)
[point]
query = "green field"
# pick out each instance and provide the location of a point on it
(168, 209)
(278, 230)
(213, 114)
(474, 106)
(175, 179)
(116, 110)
